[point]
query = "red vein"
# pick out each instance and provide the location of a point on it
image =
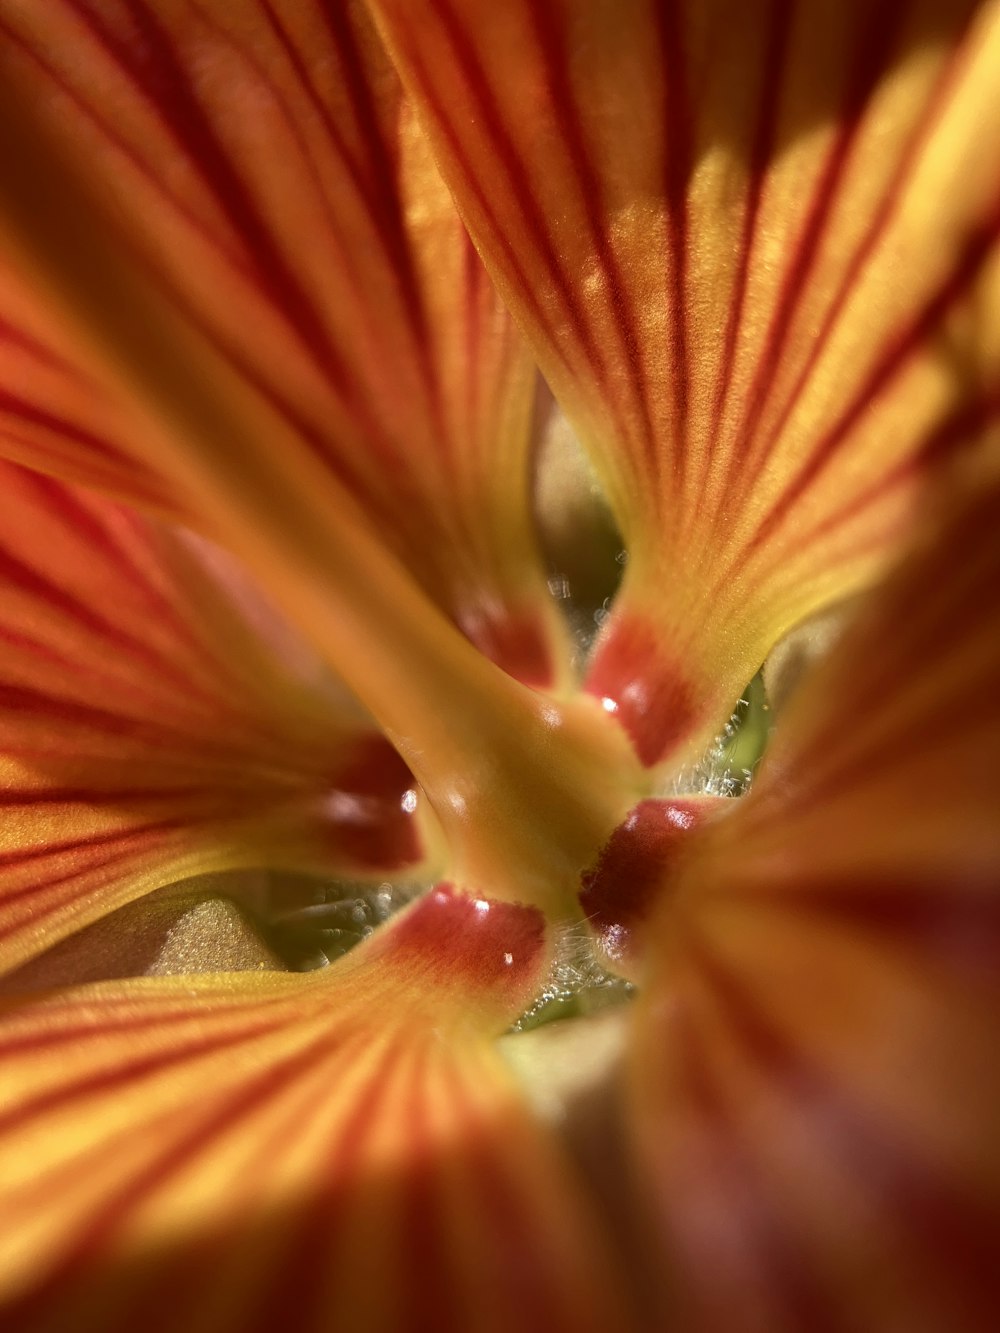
(943, 1220)
(491, 121)
(767, 1240)
(772, 76)
(678, 146)
(901, 349)
(552, 43)
(887, 210)
(871, 51)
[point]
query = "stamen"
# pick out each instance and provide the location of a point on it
(311, 922)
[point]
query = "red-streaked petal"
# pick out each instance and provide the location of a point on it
(157, 721)
(816, 1075)
(57, 417)
(750, 247)
(342, 1151)
(272, 500)
(262, 161)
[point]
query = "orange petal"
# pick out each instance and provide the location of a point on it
(55, 416)
(263, 163)
(157, 721)
(817, 1085)
(271, 498)
(338, 1151)
(468, 731)
(749, 246)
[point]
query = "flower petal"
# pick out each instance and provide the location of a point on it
(338, 1151)
(749, 245)
(264, 165)
(271, 499)
(56, 417)
(816, 1077)
(157, 722)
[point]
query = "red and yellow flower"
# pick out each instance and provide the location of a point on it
(275, 611)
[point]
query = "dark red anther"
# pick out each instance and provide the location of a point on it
(636, 868)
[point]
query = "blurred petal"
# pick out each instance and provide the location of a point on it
(262, 163)
(56, 417)
(817, 1086)
(157, 721)
(259, 1152)
(750, 246)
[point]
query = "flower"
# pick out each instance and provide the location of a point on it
(273, 598)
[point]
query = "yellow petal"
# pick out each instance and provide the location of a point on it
(236, 457)
(157, 720)
(816, 1083)
(749, 245)
(263, 164)
(338, 1151)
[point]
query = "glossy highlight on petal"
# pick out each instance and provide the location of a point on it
(645, 687)
(638, 868)
(244, 1153)
(815, 1077)
(503, 947)
(754, 250)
